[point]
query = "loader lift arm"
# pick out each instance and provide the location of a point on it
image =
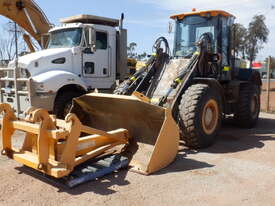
(28, 15)
(142, 80)
(146, 78)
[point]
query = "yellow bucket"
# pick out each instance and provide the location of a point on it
(153, 131)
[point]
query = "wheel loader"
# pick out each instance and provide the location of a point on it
(184, 94)
(203, 81)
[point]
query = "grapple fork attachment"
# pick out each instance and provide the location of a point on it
(55, 146)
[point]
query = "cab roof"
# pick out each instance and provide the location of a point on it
(202, 13)
(90, 19)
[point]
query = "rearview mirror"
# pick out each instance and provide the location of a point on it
(92, 39)
(170, 27)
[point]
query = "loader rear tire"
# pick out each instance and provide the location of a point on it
(248, 107)
(63, 103)
(200, 115)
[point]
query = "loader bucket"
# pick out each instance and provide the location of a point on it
(154, 134)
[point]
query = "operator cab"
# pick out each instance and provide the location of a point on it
(188, 32)
(190, 27)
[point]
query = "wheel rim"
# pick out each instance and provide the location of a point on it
(210, 116)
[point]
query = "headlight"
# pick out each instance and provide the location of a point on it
(38, 86)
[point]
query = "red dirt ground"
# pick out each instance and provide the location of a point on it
(238, 170)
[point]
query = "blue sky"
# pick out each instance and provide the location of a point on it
(148, 19)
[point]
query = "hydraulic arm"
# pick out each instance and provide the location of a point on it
(28, 15)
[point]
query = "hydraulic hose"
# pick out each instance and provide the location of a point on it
(141, 80)
(204, 45)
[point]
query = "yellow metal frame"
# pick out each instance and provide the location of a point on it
(154, 133)
(55, 146)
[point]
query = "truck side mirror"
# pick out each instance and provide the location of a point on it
(92, 39)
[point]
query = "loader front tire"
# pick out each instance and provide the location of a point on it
(63, 103)
(200, 115)
(248, 107)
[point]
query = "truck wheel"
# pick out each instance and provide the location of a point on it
(200, 115)
(248, 107)
(63, 103)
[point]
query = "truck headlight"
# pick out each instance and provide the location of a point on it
(39, 86)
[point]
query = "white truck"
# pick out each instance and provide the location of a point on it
(83, 53)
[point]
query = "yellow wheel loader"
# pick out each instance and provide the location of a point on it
(201, 81)
(184, 94)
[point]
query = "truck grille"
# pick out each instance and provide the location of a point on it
(7, 79)
(9, 73)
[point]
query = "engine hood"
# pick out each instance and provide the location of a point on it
(41, 61)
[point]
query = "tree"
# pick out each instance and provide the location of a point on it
(142, 56)
(131, 50)
(257, 36)
(7, 41)
(240, 36)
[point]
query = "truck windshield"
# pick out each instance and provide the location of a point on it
(189, 31)
(65, 38)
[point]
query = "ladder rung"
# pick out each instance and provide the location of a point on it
(6, 69)
(23, 92)
(19, 92)
(12, 79)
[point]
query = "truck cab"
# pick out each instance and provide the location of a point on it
(84, 53)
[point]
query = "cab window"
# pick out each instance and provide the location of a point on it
(101, 40)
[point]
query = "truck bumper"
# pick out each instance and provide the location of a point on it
(25, 101)
(44, 100)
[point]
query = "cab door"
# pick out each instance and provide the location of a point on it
(96, 64)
